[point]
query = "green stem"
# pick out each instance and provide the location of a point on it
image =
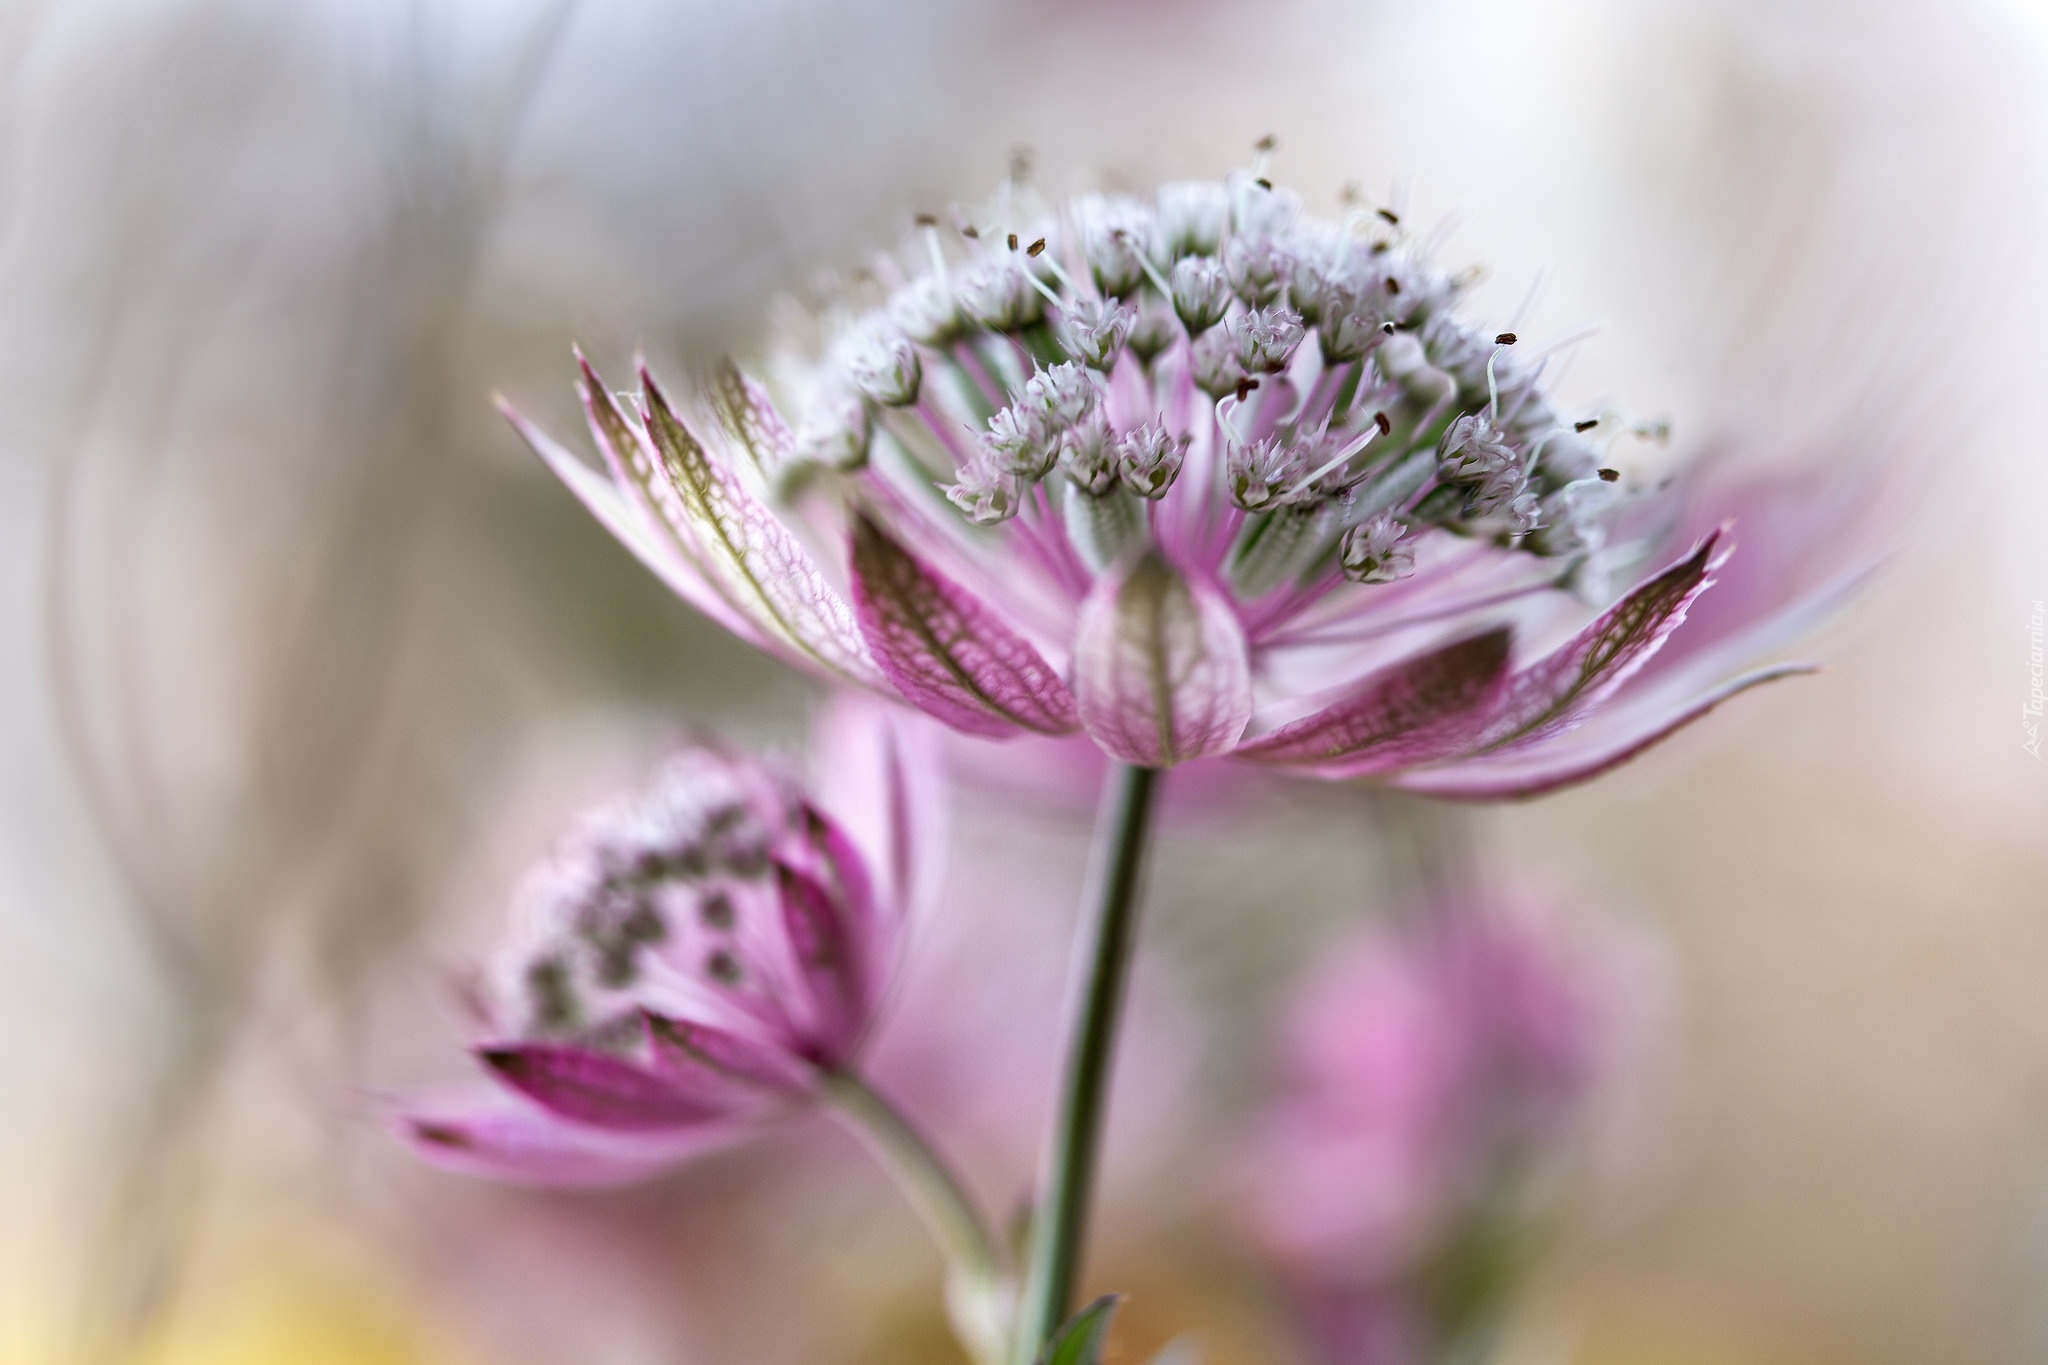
(924, 1176)
(1060, 1227)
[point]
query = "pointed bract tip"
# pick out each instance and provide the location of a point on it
(435, 1133)
(503, 1058)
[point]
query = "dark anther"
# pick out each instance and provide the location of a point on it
(1387, 327)
(717, 910)
(1263, 183)
(927, 220)
(971, 233)
(1350, 193)
(1586, 425)
(1266, 143)
(1013, 241)
(1609, 475)
(1245, 387)
(1504, 339)
(1383, 422)
(1390, 216)
(1035, 247)
(723, 966)
(1393, 285)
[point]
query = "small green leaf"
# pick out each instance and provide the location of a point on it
(1080, 1341)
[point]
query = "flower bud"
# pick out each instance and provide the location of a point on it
(1259, 268)
(886, 368)
(1155, 329)
(1191, 218)
(1148, 460)
(1019, 446)
(927, 312)
(1350, 321)
(1213, 363)
(1201, 293)
(985, 494)
(1262, 476)
(999, 295)
(835, 432)
(1093, 330)
(1376, 551)
(1264, 338)
(1056, 399)
(1116, 236)
(1473, 450)
(1573, 520)
(1088, 455)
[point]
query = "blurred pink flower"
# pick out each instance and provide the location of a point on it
(1434, 1073)
(692, 961)
(1100, 484)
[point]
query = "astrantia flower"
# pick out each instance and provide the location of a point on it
(1194, 475)
(1436, 1077)
(692, 961)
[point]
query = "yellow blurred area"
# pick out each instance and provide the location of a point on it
(280, 1299)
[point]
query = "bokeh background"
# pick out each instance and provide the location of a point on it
(303, 655)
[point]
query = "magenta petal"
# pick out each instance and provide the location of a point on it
(599, 1089)
(1557, 691)
(880, 776)
(1520, 774)
(751, 556)
(870, 923)
(505, 1140)
(723, 1065)
(1410, 713)
(829, 959)
(946, 650)
(745, 411)
(1161, 671)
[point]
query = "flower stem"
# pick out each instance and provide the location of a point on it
(926, 1178)
(1103, 968)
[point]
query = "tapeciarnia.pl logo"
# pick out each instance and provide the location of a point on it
(2030, 714)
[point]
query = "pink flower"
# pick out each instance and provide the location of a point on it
(1434, 1075)
(691, 962)
(1196, 475)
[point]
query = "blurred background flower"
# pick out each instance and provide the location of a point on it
(1434, 1082)
(305, 658)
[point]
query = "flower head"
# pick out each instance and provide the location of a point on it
(690, 961)
(1436, 1077)
(1094, 480)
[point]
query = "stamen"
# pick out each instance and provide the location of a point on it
(1013, 241)
(1609, 475)
(1502, 342)
(1586, 425)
